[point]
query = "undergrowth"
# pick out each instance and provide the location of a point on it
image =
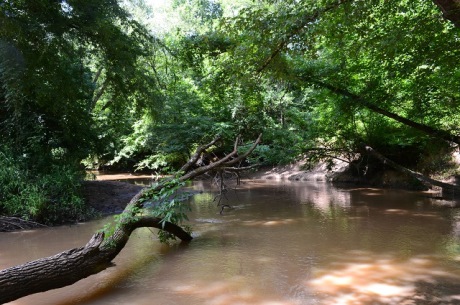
(49, 197)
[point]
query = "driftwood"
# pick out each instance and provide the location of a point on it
(75, 264)
(422, 178)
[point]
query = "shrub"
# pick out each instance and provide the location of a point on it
(50, 197)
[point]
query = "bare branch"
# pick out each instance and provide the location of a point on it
(221, 162)
(98, 73)
(243, 156)
(239, 169)
(196, 156)
(100, 92)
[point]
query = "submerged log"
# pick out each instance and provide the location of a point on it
(70, 266)
(8, 224)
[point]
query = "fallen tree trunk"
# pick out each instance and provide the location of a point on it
(424, 179)
(70, 266)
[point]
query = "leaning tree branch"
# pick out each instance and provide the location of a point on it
(424, 179)
(450, 10)
(247, 153)
(196, 156)
(70, 266)
(52, 272)
(224, 162)
(437, 133)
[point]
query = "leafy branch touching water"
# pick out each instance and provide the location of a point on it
(156, 207)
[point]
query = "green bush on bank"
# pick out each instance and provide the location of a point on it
(50, 197)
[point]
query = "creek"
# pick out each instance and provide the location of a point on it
(281, 243)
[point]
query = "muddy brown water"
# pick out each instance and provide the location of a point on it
(282, 243)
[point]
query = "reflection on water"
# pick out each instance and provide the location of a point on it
(279, 244)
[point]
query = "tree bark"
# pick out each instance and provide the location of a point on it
(52, 272)
(70, 266)
(450, 10)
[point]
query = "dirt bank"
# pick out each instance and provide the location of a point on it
(108, 197)
(320, 172)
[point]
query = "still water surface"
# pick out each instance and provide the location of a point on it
(282, 243)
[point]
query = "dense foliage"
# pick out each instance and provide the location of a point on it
(98, 82)
(61, 62)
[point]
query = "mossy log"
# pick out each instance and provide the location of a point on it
(70, 266)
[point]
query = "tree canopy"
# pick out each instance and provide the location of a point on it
(95, 84)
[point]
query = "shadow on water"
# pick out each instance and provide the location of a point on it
(364, 278)
(282, 244)
(119, 281)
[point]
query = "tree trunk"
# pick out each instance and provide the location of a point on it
(70, 266)
(445, 186)
(450, 10)
(437, 133)
(53, 272)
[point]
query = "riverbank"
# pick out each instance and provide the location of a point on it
(109, 193)
(108, 197)
(104, 196)
(372, 173)
(296, 172)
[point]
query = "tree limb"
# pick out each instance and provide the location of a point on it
(450, 10)
(12, 223)
(243, 156)
(196, 156)
(437, 133)
(239, 169)
(75, 264)
(445, 186)
(52, 272)
(70, 266)
(99, 94)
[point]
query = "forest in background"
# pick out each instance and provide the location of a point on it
(99, 84)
